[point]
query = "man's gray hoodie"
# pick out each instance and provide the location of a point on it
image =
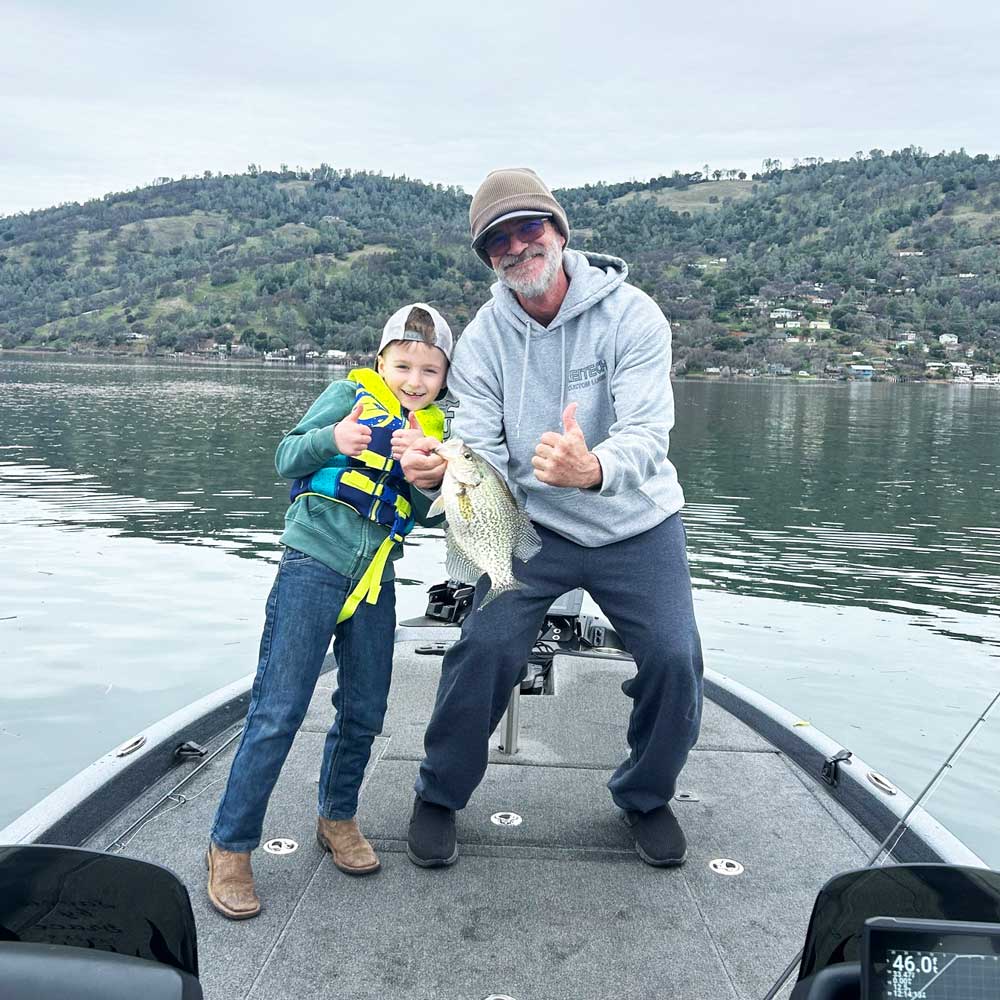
(608, 350)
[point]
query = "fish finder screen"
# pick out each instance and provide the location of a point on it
(930, 960)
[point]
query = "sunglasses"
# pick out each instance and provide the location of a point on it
(498, 243)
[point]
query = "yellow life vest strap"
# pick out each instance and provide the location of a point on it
(375, 461)
(370, 585)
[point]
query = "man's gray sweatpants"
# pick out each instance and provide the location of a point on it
(643, 587)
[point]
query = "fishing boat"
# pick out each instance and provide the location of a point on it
(548, 899)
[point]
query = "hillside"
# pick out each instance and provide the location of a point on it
(877, 256)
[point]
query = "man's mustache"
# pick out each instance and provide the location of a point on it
(511, 260)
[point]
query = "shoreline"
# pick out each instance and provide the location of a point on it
(346, 364)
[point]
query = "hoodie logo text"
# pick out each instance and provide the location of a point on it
(581, 378)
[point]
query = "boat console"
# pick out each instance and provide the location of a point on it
(905, 958)
(921, 932)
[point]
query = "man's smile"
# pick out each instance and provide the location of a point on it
(524, 260)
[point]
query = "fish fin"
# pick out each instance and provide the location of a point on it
(458, 565)
(437, 507)
(495, 592)
(527, 543)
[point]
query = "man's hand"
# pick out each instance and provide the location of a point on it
(564, 459)
(421, 465)
(351, 437)
(402, 439)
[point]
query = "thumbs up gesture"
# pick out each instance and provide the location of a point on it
(406, 436)
(564, 459)
(350, 436)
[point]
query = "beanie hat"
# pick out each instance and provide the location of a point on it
(512, 193)
(395, 329)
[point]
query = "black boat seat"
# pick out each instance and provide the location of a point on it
(30, 971)
(835, 982)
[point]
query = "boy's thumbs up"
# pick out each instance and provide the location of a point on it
(351, 436)
(414, 423)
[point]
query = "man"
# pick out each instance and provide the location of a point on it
(566, 343)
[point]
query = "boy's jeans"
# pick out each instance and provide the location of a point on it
(301, 619)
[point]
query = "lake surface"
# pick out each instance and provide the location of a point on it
(844, 542)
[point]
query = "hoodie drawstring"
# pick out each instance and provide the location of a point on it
(524, 376)
(562, 376)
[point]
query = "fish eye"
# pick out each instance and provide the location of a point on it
(467, 454)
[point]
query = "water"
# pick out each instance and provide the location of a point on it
(844, 544)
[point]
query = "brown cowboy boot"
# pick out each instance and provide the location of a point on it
(230, 883)
(350, 851)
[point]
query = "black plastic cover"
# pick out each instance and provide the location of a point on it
(87, 899)
(835, 982)
(55, 972)
(928, 891)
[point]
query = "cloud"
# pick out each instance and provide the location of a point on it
(111, 95)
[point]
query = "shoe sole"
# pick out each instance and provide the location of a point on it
(370, 870)
(660, 862)
(219, 905)
(432, 862)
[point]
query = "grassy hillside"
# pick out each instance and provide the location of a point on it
(875, 252)
(707, 196)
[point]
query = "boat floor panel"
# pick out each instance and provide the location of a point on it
(583, 723)
(559, 906)
(530, 929)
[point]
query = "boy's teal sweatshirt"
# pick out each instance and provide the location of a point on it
(328, 531)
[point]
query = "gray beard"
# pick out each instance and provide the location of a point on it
(531, 288)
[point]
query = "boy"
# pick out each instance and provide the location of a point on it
(350, 509)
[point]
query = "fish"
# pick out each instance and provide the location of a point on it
(486, 527)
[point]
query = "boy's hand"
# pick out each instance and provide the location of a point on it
(351, 437)
(421, 465)
(402, 439)
(564, 459)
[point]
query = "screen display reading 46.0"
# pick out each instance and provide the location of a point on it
(930, 960)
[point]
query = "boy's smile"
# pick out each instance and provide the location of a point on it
(413, 371)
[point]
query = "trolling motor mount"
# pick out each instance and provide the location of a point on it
(564, 629)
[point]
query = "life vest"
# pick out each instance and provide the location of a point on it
(372, 484)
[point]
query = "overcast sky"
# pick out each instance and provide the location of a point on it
(106, 95)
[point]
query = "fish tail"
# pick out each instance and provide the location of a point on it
(496, 591)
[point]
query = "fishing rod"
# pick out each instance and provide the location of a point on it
(901, 826)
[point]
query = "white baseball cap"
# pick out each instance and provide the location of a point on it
(395, 329)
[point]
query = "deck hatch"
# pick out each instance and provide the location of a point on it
(726, 866)
(281, 845)
(505, 819)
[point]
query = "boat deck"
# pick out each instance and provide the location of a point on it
(557, 907)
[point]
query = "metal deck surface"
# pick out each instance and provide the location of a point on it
(557, 908)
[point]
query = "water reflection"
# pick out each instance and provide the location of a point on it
(877, 495)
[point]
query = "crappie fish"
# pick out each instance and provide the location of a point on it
(486, 528)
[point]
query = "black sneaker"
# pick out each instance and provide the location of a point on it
(659, 839)
(430, 842)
